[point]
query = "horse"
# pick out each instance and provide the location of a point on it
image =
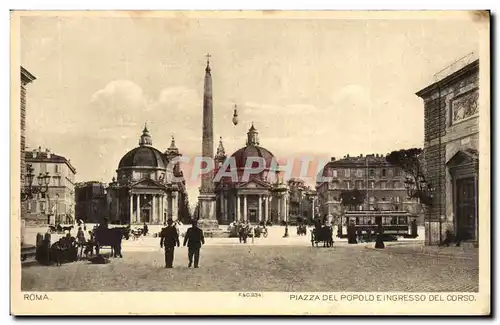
(111, 237)
(322, 234)
(52, 229)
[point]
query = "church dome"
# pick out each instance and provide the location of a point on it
(241, 155)
(252, 150)
(144, 155)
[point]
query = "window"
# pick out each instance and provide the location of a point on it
(359, 184)
(334, 173)
(372, 184)
(42, 207)
(372, 173)
(389, 185)
(396, 185)
(390, 172)
(397, 199)
(397, 172)
(56, 168)
(359, 173)
(347, 172)
(347, 185)
(384, 173)
(382, 184)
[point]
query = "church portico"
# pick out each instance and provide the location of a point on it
(143, 190)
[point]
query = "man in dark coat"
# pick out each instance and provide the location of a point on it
(169, 238)
(194, 239)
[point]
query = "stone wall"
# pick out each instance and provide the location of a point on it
(445, 135)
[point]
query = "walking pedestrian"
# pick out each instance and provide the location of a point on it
(169, 238)
(194, 239)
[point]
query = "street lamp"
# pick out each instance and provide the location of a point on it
(29, 191)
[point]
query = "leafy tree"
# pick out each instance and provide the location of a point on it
(352, 198)
(410, 161)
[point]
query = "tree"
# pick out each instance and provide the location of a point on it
(410, 161)
(352, 198)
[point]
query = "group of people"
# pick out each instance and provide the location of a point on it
(194, 239)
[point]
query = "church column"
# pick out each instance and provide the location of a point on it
(312, 208)
(160, 212)
(260, 208)
(131, 199)
(174, 205)
(153, 210)
(164, 207)
(226, 217)
(267, 209)
(245, 208)
(221, 206)
(138, 208)
(237, 216)
(286, 206)
(278, 205)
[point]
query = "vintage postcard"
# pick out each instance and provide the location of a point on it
(250, 163)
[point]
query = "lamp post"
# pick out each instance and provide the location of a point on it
(29, 191)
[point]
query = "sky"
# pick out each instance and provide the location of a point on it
(312, 87)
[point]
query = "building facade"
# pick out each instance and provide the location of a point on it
(148, 188)
(91, 204)
(26, 78)
(451, 106)
(302, 200)
(383, 183)
(58, 203)
(259, 197)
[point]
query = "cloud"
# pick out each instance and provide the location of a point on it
(120, 95)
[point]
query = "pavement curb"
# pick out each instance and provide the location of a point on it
(421, 254)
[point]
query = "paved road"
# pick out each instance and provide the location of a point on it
(262, 268)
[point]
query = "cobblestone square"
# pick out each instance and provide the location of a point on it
(263, 268)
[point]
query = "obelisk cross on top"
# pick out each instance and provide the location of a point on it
(207, 148)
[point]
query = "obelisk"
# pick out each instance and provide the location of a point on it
(207, 198)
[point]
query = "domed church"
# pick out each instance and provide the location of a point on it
(262, 197)
(145, 189)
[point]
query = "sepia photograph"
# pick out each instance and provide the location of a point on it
(250, 162)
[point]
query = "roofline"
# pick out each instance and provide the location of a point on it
(58, 159)
(449, 79)
(26, 76)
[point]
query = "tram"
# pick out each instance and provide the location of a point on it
(393, 223)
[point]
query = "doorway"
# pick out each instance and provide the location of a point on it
(145, 215)
(252, 215)
(466, 208)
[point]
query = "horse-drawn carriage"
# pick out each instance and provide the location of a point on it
(59, 229)
(322, 234)
(301, 230)
(390, 224)
(243, 232)
(62, 251)
(112, 238)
